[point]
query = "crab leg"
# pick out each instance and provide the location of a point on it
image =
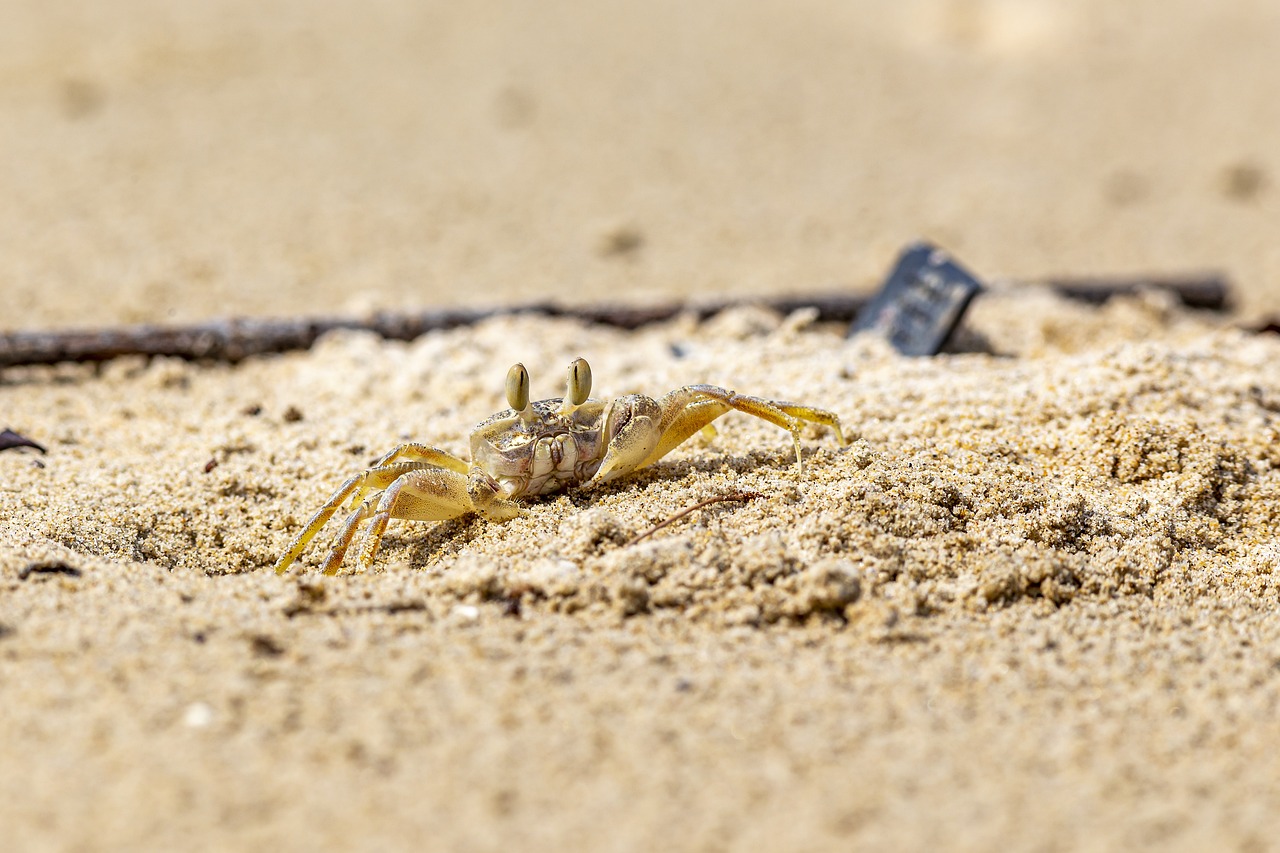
(814, 415)
(428, 494)
(423, 453)
(429, 456)
(341, 542)
(374, 478)
(419, 494)
(691, 408)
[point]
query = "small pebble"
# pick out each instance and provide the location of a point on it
(197, 716)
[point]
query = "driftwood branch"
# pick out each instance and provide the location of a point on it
(1209, 292)
(236, 339)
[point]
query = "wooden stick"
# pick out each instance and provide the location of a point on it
(735, 496)
(233, 340)
(1210, 291)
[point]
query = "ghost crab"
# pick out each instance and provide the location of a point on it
(530, 449)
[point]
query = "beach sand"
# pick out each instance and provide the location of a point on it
(1032, 603)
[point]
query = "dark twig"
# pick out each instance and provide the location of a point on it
(54, 567)
(1210, 291)
(735, 496)
(236, 339)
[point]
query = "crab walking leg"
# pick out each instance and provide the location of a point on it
(423, 453)
(420, 494)
(783, 414)
(423, 495)
(341, 542)
(698, 415)
(815, 416)
(420, 454)
(374, 478)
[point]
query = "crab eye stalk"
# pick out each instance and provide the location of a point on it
(518, 388)
(579, 382)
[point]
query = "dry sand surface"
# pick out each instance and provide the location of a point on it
(1031, 604)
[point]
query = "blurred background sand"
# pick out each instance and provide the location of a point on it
(1032, 605)
(174, 161)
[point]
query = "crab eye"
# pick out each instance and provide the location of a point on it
(518, 387)
(579, 381)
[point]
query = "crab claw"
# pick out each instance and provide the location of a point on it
(632, 426)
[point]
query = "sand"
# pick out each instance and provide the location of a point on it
(1030, 604)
